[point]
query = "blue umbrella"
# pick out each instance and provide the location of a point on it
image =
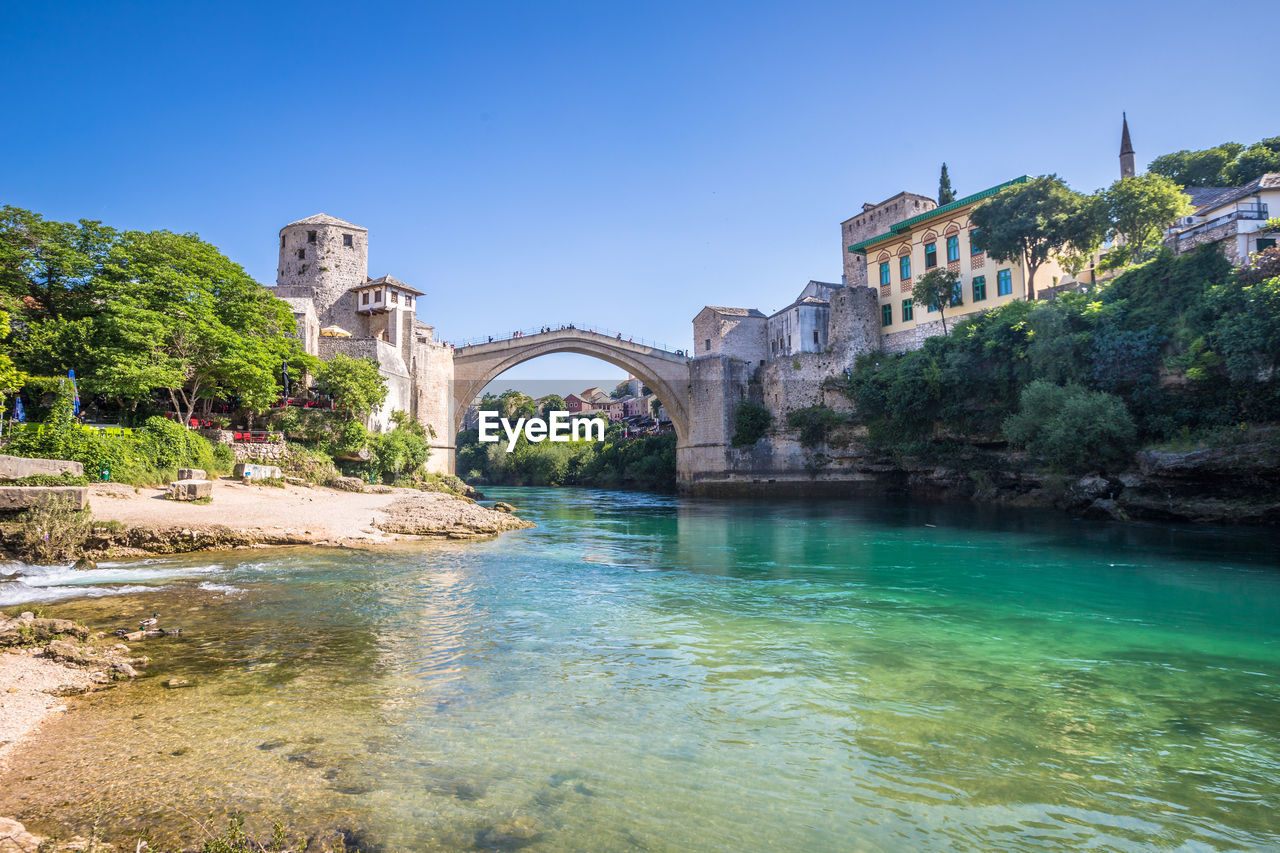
(18, 411)
(75, 393)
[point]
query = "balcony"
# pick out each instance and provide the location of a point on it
(1256, 212)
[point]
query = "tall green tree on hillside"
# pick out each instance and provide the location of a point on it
(1227, 165)
(945, 194)
(1140, 208)
(1034, 221)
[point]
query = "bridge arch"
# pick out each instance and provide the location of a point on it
(666, 373)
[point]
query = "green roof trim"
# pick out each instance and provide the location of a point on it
(897, 228)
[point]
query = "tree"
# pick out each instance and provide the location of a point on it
(1253, 162)
(945, 194)
(1140, 208)
(178, 316)
(938, 289)
(1227, 165)
(52, 265)
(355, 384)
(1202, 168)
(1033, 221)
(553, 403)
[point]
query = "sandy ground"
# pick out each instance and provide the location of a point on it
(316, 515)
(29, 690)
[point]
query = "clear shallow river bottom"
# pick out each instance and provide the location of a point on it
(651, 673)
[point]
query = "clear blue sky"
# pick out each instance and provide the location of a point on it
(621, 164)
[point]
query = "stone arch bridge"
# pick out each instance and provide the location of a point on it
(666, 373)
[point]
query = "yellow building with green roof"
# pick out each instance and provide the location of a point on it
(940, 238)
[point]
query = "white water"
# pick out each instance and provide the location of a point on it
(24, 584)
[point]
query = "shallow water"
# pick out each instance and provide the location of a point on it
(653, 673)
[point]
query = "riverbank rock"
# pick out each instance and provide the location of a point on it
(190, 490)
(445, 516)
(28, 629)
(503, 506)
(347, 484)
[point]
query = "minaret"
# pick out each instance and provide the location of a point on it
(1126, 150)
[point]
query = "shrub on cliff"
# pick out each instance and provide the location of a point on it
(1071, 427)
(815, 424)
(750, 423)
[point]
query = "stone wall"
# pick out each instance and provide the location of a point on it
(250, 451)
(913, 338)
(433, 403)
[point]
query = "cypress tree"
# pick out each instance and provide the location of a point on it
(945, 194)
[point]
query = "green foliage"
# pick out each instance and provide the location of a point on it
(1246, 330)
(1227, 165)
(1140, 208)
(1036, 220)
(750, 422)
(936, 290)
(1071, 427)
(946, 195)
(307, 463)
(53, 532)
(142, 457)
(1184, 342)
(553, 403)
(815, 424)
(355, 384)
(647, 462)
(402, 450)
(136, 313)
(64, 479)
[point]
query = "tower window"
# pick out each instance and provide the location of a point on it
(815, 337)
(707, 344)
(347, 240)
(311, 237)
(281, 241)
(302, 254)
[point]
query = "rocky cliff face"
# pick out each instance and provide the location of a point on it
(1229, 483)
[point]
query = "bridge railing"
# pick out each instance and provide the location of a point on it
(582, 327)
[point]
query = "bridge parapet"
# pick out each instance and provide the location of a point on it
(577, 332)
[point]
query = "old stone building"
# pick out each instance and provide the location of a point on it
(323, 275)
(875, 219)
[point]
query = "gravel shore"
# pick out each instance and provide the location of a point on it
(246, 515)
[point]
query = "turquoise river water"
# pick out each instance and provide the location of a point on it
(647, 672)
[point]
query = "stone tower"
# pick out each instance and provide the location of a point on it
(1126, 150)
(322, 258)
